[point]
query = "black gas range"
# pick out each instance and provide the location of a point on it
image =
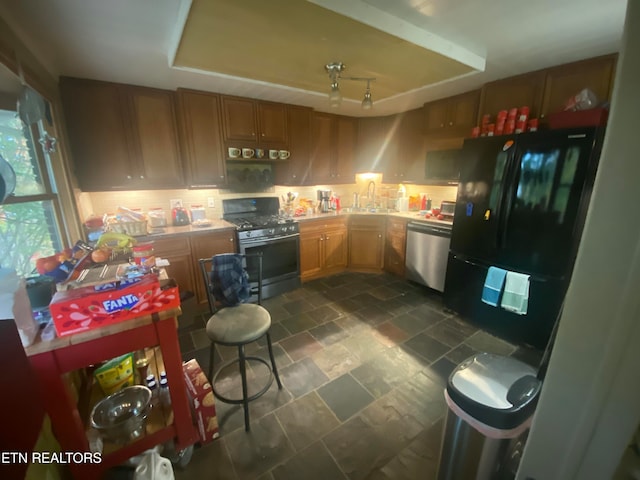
(260, 229)
(270, 226)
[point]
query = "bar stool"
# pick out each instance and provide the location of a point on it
(237, 326)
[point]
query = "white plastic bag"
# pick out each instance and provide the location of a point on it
(153, 467)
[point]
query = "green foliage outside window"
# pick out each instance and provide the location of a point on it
(27, 228)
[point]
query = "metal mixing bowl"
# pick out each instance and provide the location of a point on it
(121, 417)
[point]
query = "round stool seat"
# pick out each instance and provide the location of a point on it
(238, 325)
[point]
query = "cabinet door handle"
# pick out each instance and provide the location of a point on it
(262, 134)
(221, 177)
(231, 239)
(141, 177)
(326, 237)
(294, 176)
(253, 134)
(128, 177)
(451, 124)
(441, 125)
(379, 235)
(321, 238)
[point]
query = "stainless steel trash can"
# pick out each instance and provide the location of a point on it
(491, 401)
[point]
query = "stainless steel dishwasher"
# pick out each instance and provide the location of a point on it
(427, 254)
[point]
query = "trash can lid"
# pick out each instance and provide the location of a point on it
(498, 391)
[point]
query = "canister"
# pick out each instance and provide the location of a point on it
(197, 213)
(157, 217)
(143, 255)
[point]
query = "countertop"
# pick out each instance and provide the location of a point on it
(413, 216)
(216, 226)
(221, 225)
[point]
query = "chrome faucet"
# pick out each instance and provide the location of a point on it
(371, 193)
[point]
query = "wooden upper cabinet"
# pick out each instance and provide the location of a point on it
(253, 122)
(155, 136)
(566, 81)
(346, 129)
(97, 134)
(297, 170)
(453, 116)
(519, 91)
(408, 135)
(239, 119)
(376, 145)
(322, 149)
(272, 123)
(121, 136)
(201, 133)
(333, 148)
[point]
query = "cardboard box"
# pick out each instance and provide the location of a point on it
(202, 400)
(86, 308)
(581, 118)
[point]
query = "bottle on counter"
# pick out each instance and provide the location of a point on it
(164, 395)
(428, 202)
(423, 202)
(153, 386)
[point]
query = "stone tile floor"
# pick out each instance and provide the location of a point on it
(363, 360)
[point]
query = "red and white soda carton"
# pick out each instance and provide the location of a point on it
(533, 125)
(475, 132)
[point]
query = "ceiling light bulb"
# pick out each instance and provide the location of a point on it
(367, 103)
(335, 97)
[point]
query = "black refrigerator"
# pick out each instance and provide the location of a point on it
(521, 206)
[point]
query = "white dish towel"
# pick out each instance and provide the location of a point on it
(515, 297)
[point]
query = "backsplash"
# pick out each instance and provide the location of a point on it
(99, 203)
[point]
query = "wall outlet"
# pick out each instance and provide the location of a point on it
(175, 203)
(211, 202)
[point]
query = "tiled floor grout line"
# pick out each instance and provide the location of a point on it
(405, 303)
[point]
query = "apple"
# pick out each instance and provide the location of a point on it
(440, 217)
(100, 255)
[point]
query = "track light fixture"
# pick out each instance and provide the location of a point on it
(334, 70)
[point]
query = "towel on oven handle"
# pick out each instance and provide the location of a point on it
(229, 279)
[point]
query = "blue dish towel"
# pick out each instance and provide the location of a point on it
(493, 286)
(229, 280)
(516, 293)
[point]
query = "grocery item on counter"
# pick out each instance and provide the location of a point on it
(115, 374)
(85, 308)
(157, 217)
(143, 255)
(203, 403)
(63, 265)
(197, 213)
(180, 216)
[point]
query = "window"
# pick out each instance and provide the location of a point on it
(30, 218)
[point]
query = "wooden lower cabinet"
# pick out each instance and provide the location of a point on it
(366, 242)
(323, 247)
(183, 253)
(206, 245)
(395, 246)
(177, 250)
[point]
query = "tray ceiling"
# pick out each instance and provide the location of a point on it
(287, 43)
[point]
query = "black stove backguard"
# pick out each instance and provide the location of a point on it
(250, 207)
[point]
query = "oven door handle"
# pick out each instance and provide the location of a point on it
(251, 241)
